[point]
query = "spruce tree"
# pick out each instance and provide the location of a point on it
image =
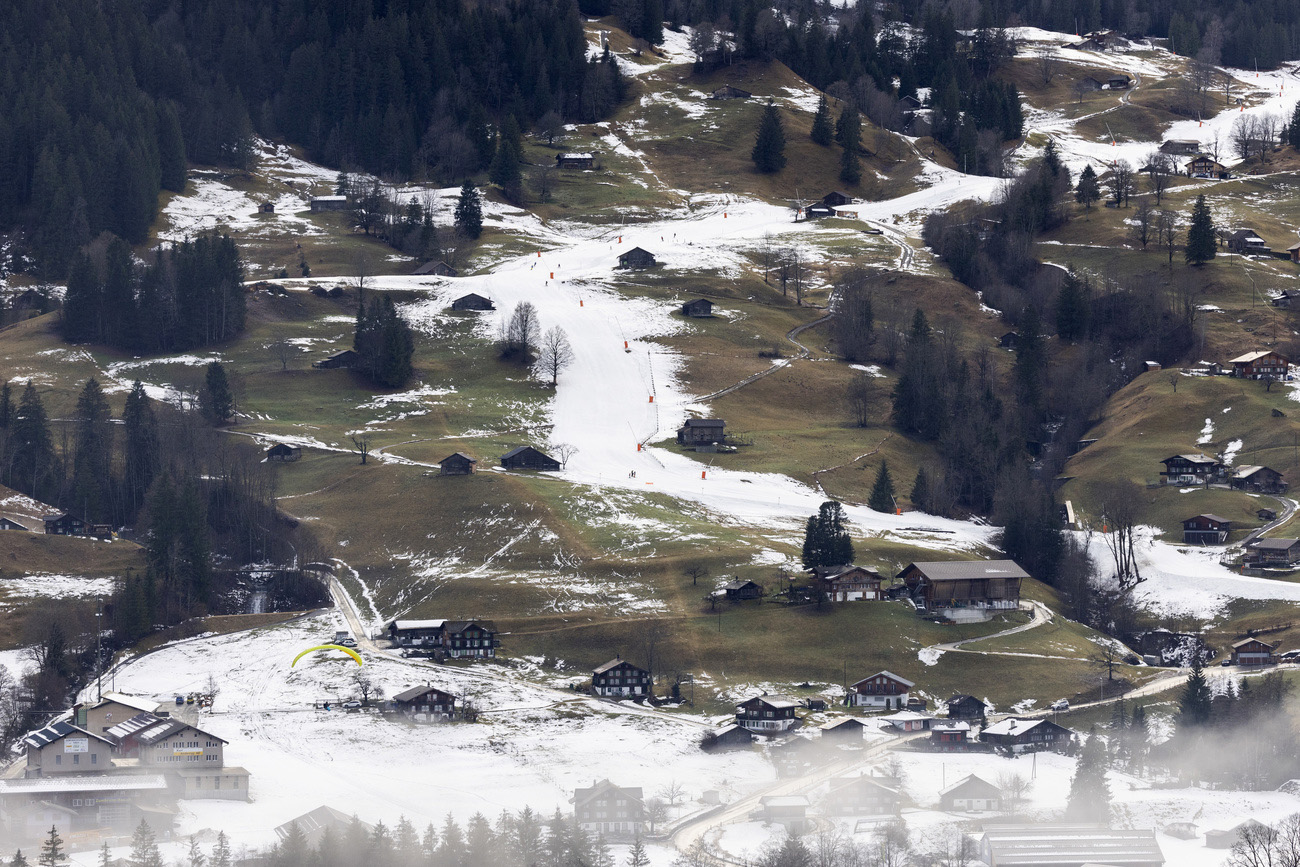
(469, 212)
(920, 495)
(822, 132)
(1194, 704)
(882, 492)
(636, 856)
(1073, 308)
(1293, 129)
(1200, 234)
(850, 167)
(826, 538)
(1088, 190)
(195, 856)
(221, 853)
(81, 302)
(105, 855)
(92, 463)
(505, 171)
(52, 854)
(1089, 798)
(32, 464)
(144, 848)
(19, 859)
(216, 399)
(140, 458)
(769, 144)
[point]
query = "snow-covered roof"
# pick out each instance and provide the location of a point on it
(842, 721)
(329, 198)
(54, 731)
(91, 783)
(784, 800)
(906, 716)
(1012, 726)
(973, 782)
(950, 725)
(1009, 845)
(416, 624)
(776, 702)
(890, 675)
(1250, 356)
(577, 156)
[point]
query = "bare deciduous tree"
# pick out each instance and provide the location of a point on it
(361, 444)
(695, 571)
(1107, 656)
(1167, 231)
(1120, 517)
(1014, 786)
(281, 349)
(563, 451)
(1144, 219)
(1048, 60)
(555, 353)
(518, 335)
(1160, 171)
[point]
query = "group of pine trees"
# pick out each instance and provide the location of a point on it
(826, 540)
(190, 295)
(383, 341)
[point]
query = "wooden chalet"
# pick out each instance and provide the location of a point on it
(1294, 251)
(702, 432)
(909, 103)
(797, 756)
(284, 453)
(1043, 845)
(699, 308)
(65, 524)
(1261, 363)
(729, 92)
(12, 521)
(965, 590)
(1266, 514)
(266, 208)
(425, 704)
(768, 714)
(971, 795)
(575, 161)
(528, 458)
(473, 301)
(1202, 166)
(455, 639)
(731, 737)
(884, 689)
(637, 257)
(329, 203)
(457, 464)
(1276, 553)
(1180, 147)
(1089, 83)
(950, 736)
(614, 811)
(345, 360)
(437, 269)
(1286, 298)
(1190, 469)
(908, 721)
(848, 583)
(966, 707)
(1026, 735)
(1008, 340)
(836, 198)
(1119, 82)
(738, 590)
(1252, 651)
(1260, 480)
(846, 730)
(864, 795)
(619, 678)
(1206, 530)
(788, 811)
(1246, 242)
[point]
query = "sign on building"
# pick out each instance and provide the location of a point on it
(76, 745)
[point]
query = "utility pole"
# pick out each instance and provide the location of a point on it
(99, 631)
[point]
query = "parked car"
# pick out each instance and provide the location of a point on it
(1060, 704)
(348, 642)
(351, 705)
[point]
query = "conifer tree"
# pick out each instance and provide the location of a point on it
(92, 463)
(80, 302)
(1087, 190)
(195, 856)
(140, 458)
(32, 466)
(920, 495)
(505, 171)
(216, 399)
(1293, 128)
(1089, 798)
(769, 144)
(52, 854)
(822, 133)
(848, 132)
(105, 855)
(469, 212)
(1072, 308)
(882, 492)
(144, 848)
(171, 148)
(19, 859)
(1200, 246)
(636, 856)
(1194, 704)
(826, 538)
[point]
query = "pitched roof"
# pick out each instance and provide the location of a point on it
(416, 691)
(636, 250)
(705, 422)
(581, 796)
(776, 702)
(137, 723)
(43, 737)
(416, 624)
(903, 716)
(949, 725)
(459, 455)
(170, 727)
(613, 663)
(1016, 726)
(1196, 458)
(888, 674)
(1251, 356)
(1009, 845)
(315, 821)
(1274, 544)
(520, 449)
(1246, 641)
(973, 785)
(87, 783)
(965, 570)
(1215, 518)
(739, 584)
(1248, 471)
(843, 722)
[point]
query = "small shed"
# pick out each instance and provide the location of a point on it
(266, 208)
(835, 198)
(1266, 514)
(950, 736)
(528, 458)
(575, 161)
(284, 453)
(700, 308)
(1261, 480)
(1009, 340)
(701, 432)
(457, 464)
(329, 203)
(1247, 242)
(1119, 82)
(1294, 251)
(1180, 146)
(438, 269)
(730, 737)
(729, 92)
(909, 103)
(739, 590)
(1089, 83)
(845, 730)
(637, 257)
(21, 522)
(344, 360)
(473, 301)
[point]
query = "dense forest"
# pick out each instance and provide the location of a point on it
(115, 98)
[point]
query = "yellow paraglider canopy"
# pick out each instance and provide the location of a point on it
(349, 652)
